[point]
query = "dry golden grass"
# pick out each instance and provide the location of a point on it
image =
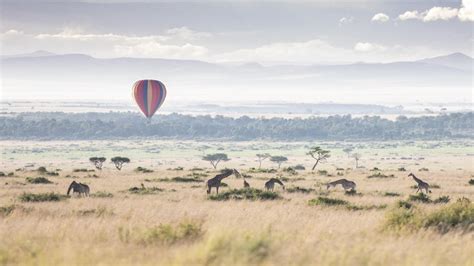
(125, 229)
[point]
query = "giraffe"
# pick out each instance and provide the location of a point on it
(79, 188)
(421, 184)
(216, 181)
(346, 184)
(270, 184)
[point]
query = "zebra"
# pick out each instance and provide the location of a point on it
(270, 184)
(346, 184)
(421, 184)
(216, 181)
(79, 188)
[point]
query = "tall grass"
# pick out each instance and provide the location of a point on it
(246, 194)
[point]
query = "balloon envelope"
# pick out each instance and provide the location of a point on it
(149, 95)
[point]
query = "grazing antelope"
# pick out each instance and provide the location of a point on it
(78, 188)
(421, 184)
(216, 181)
(246, 184)
(346, 184)
(270, 184)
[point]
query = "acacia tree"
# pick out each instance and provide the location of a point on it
(97, 161)
(319, 155)
(215, 158)
(279, 160)
(356, 157)
(262, 157)
(348, 151)
(120, 161)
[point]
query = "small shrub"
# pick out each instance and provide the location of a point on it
(352, 192)
(2, 174)
(102, 194)
(300, 190)
(327, 202)
(402, 169)
(6, 210)
(197, 169)
(442, 199)
(339, 169)
(261, 170)
(38, 180)
(423, 169)
(179, 168)
(246, 194)
(380, 175)
(322, 172)
(167, 234)
(420, 197)
(185, 179)
(471, 182)
(391, 194)
(404, 204)
(143, 170)
(145, 190)
(340, 173)
(352, 207)
(375, 169)
(299, 167)
(101, 211)
(41, 170)
(41, 197)
(78, 170)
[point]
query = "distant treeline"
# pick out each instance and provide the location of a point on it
(176, 126)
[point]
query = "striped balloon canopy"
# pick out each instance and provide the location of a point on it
(149, 95)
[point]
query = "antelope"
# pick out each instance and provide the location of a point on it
(421, 184)
(270, 184)
(216, 181)
(346, 184)
(78, 188)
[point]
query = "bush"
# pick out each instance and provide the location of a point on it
(41, 197)
(246, 194)
(185, 179)
(402, 169)
(6, 210)
(352, 192)
(261, 170)
(423, 169)
(143, 170)
(327, 202)
(322, 172)
(3, 174)
(300, 190)
(38, 180)
(420, 197)
(145, 190)
(442, 199)
(391, 194)
(404, 204)
(380, 175)
(102, 194)
(375, 169)
(471, 182)
(77, 170)
(299, 167)
(163, 234)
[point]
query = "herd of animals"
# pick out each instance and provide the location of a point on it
(215, 182)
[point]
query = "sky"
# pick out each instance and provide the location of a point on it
(268, 32)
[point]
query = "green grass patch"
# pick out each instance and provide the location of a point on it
(41, 197)
(38, 180)
(423, 198)
(102, 194)
(333, 202)
(391, 194)
(246, 194)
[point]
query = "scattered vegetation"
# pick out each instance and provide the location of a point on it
(6, 210)
(327, 202)
(402, 169)
(78, 170)
(261, 170)
(456, 216)
(38, 180)
(246, 194)
(42, 170)
(102, 194)
(322, 172)
(423, 198)
(300, 190)
(163, 234)
(391, 194)
(143, 170)
(380, 175)
(100, 211)
(471, 182)
(41, 197)
(145, 190)
(423, 169)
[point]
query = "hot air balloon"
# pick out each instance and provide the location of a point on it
(149, 95)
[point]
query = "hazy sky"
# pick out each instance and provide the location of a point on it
(263, 31)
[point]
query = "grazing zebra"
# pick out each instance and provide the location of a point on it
(421, 184)
(270, 184)
(246, 184)
(78, 188)
(346, 184)
(216, 181)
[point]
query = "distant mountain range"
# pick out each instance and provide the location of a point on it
(82, 72)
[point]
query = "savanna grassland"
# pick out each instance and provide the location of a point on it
(170, 220)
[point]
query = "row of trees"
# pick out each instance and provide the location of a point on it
(118, 161)
(125, 125)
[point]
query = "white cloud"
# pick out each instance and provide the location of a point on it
(381, 17)
(410, 15)
(464, 13)
(440, 13)
(369, 47)
(158, 50)
(185, 33)
(346, 20)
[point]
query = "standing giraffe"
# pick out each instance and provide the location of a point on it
(216, 181)
(421, 184)
(270, 184)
